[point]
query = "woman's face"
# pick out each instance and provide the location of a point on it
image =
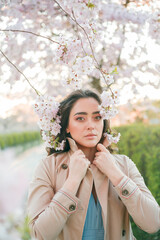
(85, 122)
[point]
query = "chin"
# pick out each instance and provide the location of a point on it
(90, 144)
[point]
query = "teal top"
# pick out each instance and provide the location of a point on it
(93, 227)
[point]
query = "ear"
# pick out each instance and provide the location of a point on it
(67, 130)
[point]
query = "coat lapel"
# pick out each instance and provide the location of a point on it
(101, 185)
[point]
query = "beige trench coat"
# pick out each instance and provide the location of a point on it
(57, 214)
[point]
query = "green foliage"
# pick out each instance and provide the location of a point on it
(24, 230)
(141, 235)
(14, 139)
(142, 144)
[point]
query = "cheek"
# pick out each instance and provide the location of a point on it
(74, 127)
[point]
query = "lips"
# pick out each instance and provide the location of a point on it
(90, 135)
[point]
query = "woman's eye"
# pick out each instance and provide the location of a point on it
(80, 118)
(98, 117)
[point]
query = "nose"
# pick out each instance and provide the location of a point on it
(90, 124)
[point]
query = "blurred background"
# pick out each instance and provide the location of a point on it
(128, 37)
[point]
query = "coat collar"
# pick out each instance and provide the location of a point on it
(101, 181)
(72, 144)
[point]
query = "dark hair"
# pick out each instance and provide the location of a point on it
(64, 111)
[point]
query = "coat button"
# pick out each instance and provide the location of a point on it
(64, 166)
(72, 207)
(123, 233)
(125, 192)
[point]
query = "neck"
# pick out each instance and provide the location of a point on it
(89, 152)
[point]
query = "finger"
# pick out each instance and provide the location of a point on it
(80, 152)
(106, 142)
(101, 148)
(88, 162)
(98, 154)
(94, 162)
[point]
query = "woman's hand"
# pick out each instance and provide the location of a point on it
(105, 162)
(78, 166)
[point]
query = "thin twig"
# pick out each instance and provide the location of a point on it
(24, 31)
(19, 72)
(64, 10)
(80, 39)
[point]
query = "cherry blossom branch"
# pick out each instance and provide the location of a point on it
(64, 10)
(80, 40)
(35, 34)
(90, 44)
(20, 72)
(74, 19)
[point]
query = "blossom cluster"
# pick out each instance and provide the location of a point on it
(69, 53)
(84, 10)
(82, 66)
(67, 50)
(114, 11)
(111, 138)
(49, 121)
(154, 25)
(107, 107)
(108, 110)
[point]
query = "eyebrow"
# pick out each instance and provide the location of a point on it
(84, 113)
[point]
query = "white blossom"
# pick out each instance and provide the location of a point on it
(49, 122)
(67, 51)
(71, 80)
(46, 106)
(108, 113)
(107, 107)
(154, 25)
(108, 79)
(111, 138)
(83, 65)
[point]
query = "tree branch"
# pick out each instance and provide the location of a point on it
(35, 34)
(119, 56)
(19, 72)
(90, 44)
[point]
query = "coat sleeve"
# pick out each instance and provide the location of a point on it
(48, 211)
(138, 200)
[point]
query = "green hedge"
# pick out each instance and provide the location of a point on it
(13, 139)
(142, 144)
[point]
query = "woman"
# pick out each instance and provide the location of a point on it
(85, 192)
